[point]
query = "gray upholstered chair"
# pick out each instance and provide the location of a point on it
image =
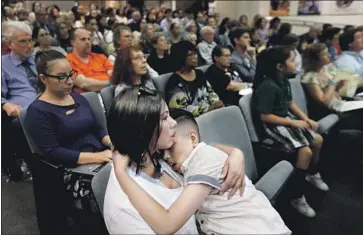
(107, 94)
(227, 126)
(161, 82)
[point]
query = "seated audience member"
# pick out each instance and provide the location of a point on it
(41, 20)
(309, 38)
(231, 25)
(134, 25)
(213, 210)
(142, 140)
(274, 26)
(18, 90)
(188, 87)
(224, 80)
(291, 40)
(122, 38)
(43, 41)
(64, 37)
(94, 70)
(191, 27)
(167, 21)
(275, 39)
(329, 37)
(174, 35)
(207, 45)
(243, 20)
(211, 22)
(63, 126)
(147, 33)
(271, 107)
(262, 30)
(221, 32)
(351, 59)
(243, 56)
(23, 15)
(130, 69)
(256, 42)
(323, 86)
(159, 59)
(97, 38)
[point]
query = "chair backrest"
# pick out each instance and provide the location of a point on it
(96, 107)
(99, 185)
(32, 146)
(204, 68)
(161, 82)
(227, 126)
(245, 106)
(298, 94)
(107, 95)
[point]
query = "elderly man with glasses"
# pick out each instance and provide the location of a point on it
(18, 90)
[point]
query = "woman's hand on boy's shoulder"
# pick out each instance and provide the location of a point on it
(234, 174)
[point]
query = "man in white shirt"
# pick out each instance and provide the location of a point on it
(351, 59)
(206, 47)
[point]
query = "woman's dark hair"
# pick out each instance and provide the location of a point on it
(223, 26)
(123, 71)
(88, 19)
(77, 16)
(326, 26)
(35, 34)
(274, 21)
(267, 62)
(329, 33)
(258, 23)
(51, 14)
(109, 11)
(43, 59)
(179, 53)
(133, 121)
(285, 29)
(232, 24)
(311, 57)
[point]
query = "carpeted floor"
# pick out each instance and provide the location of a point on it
(339, 211)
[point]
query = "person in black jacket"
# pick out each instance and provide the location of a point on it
(224, 80)
(159, 58)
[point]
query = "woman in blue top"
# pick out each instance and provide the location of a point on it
(271, 107)
(62, 124)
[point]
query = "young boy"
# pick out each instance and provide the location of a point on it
(202, 164)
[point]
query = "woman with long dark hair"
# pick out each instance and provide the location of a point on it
(141, 128)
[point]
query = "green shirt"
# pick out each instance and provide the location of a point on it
(272, 97)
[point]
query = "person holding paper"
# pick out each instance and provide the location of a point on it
(323, 89)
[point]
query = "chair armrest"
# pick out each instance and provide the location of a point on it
(326, 123)
(273, 181)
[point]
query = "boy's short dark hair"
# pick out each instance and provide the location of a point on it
(237, 33)
(184, 117)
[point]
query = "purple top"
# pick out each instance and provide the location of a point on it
(15, 85)
(63, 136)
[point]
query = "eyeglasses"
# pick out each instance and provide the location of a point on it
(64, 78)
(24, 42)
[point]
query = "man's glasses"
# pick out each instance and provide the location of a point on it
(24, 42)
(64, 77)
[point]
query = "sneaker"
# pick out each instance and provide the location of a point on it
(317, 181)
(303, 207)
